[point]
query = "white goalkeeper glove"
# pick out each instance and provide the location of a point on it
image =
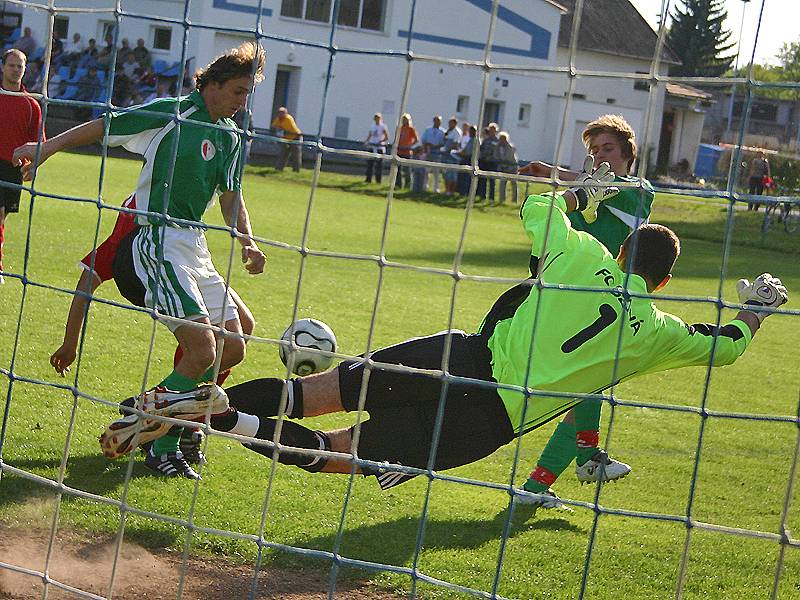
(591, 196)
(766, 292)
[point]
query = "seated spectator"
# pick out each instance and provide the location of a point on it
(123, 52)
(26, 43)
(104, 58)
(187, 83)
(89, 56)
(89, 86)
(74, 49)
(34, 76)
(129, 67)
(56, 51)
(144, 86)
(109, 47)
(142, 54)
(505, 157)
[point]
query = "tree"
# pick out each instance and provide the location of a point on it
(697, 38)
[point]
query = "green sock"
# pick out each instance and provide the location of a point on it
(556, 456)
(587, 428)
(171, 442)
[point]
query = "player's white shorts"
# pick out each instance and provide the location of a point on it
(175, 267)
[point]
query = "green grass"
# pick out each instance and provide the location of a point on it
(743, 467)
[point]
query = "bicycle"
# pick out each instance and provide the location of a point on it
(787, 212)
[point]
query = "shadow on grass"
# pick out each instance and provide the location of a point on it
(395, 542)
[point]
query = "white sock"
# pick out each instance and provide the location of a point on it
(246, 425)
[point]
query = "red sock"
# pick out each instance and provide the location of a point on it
(2, 239)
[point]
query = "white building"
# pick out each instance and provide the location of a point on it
(333, 89)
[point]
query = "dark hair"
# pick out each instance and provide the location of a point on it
(247, 60)
(656, 250)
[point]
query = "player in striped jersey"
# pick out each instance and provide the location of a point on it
(192, 154)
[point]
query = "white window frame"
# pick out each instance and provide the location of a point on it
(327, 23)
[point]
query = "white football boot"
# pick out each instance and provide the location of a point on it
(601, 468)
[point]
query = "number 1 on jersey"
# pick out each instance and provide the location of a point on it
(607, 317)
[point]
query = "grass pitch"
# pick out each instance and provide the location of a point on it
(743, 465)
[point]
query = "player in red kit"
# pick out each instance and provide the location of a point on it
(22, 123)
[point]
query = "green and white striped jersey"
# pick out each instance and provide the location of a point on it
(619, 215)
(182, 185)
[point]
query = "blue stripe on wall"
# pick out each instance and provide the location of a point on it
(243, 8)
(540, 37)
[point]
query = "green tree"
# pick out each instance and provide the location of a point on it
(697, 37)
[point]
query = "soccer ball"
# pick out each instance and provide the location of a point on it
(307, 333)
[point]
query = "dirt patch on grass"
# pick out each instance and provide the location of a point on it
(86, 564)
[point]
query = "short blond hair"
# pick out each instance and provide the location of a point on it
(617, 126)
(246, 60)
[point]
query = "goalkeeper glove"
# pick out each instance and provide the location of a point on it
(591, 196)
(765, 293)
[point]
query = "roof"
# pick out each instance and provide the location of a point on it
(614, 27)
(686, 91)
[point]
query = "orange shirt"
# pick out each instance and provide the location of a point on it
(407, 139)
(290, 129)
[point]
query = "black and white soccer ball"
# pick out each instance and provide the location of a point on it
(307, 333)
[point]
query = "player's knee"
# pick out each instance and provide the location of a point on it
(233, 352)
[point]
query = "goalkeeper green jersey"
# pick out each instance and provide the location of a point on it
(619, 215)
(182, 185)
(587, 339)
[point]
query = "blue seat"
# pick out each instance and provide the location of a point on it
(15, 35)
(101, 75)
(70, 92)
(173, 71)
(79, 72)
(63, 73)
(36, 54)
(159, 66)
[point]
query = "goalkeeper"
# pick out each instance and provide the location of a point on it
(610, 139)
(543, 344)
(192, 153)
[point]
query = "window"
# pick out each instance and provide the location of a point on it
(524, 115)
(759, 111)
(162, 38)
(642, 86)
(462, 105)
(61, 27)
(361, 14)
(611, 100)
(318, 10)
(292, 8)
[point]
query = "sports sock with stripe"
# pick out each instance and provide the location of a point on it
(587, 429)
(556, 456)
(171, 442)
(263, 397)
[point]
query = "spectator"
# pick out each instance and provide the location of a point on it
(286, 128)
(89, 56)
(22, 123)
(505, 160)
(142, 54)
(452, 142)
(432, 143)
(419, 176)
(759, 170)
(74, 49)
(407, 140)
(34, 76)
(89, 86)
(486, 160)
(26, 43)
(123, 52)
(187, 85)
(469, 137)
(56, 52)
(377, 137)
(129, 67)
(104, 58)
(109, 47)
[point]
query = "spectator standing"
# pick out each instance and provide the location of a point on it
(123, 52)
(26, 43)
(286, 127)
(759, 169)
(469, 137)
(452, 143)
(432, 143)
(22, 123)
(505, 159)
(407, 140)
(486, 160)
(142, 54)
(377, 137)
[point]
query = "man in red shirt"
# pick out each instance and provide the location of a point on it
(22, 123)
